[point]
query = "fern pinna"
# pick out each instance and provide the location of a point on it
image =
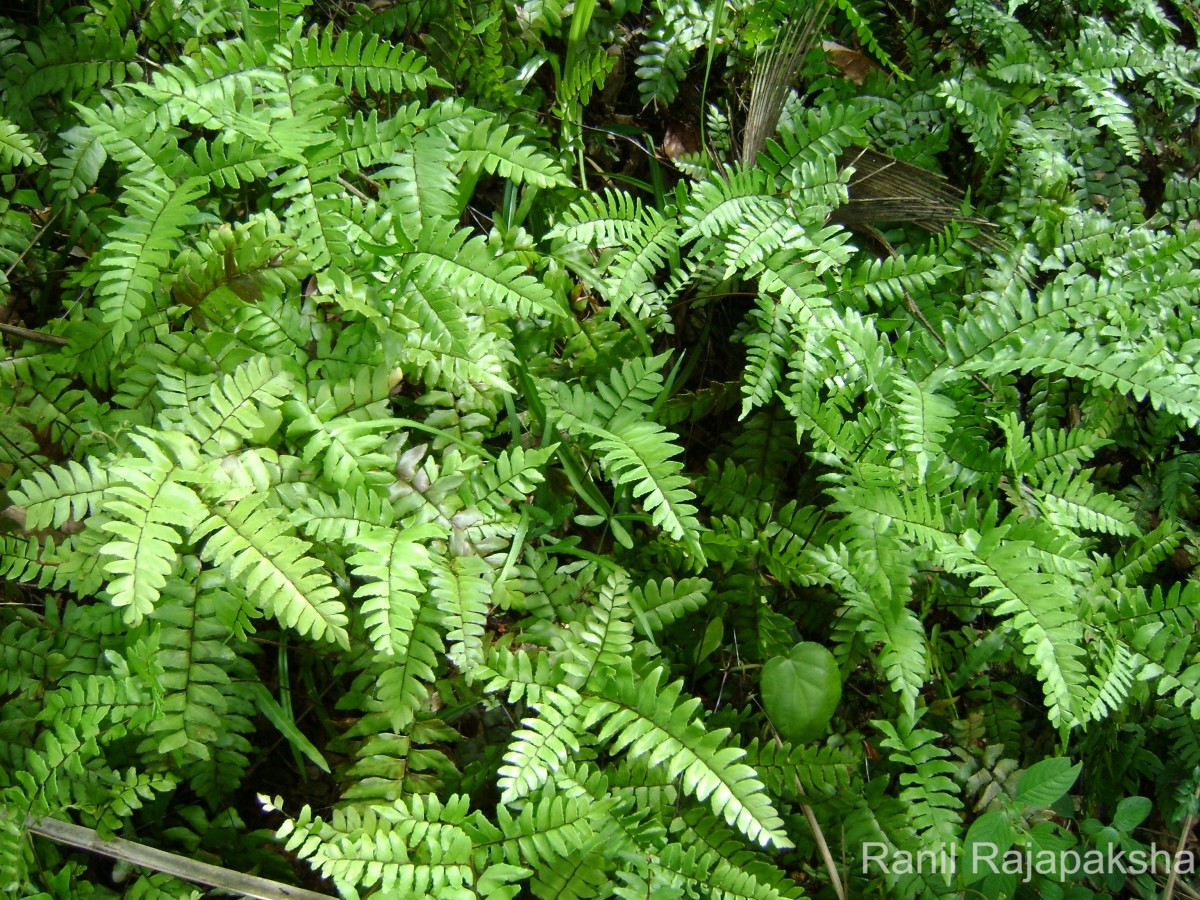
(353, 423)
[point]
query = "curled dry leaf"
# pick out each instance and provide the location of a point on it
(850, 63)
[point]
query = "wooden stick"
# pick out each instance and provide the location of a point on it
(170, 863)
(30, 335)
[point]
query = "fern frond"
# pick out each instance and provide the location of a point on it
(1145, 374)
(603, 637)
(676, 31)
(1143, 555)
(646, 721)
(16, 148)
(925, 419)
(200, 704)
(420, 849)
(525, 675)
(1042, 609)
(359, 62)
(1057, 452)
(666, 601)
(544, 744)
(546, 832)
(401, 686)
(74, 63)
(638, 454)
(484, 149)
(248, 263)
(148, 504)
(420, 184)
(392, 564)
(342, 518)
(603, 220)
(242, 406)
(25, 559)
(251, 542)
(229, 160)
(462, 588)
(1072, 503)
(820, 770)
(886, 280)
(138, 252)
(930, 792)
(444, 255)
(53, 496)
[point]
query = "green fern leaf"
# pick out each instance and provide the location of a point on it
(138, 251)
(242, 406)
(148, 505)
(444, 255)
(603, 638)
(667, 601)
(361, 62)
(925, 419)
(56, 495)
(638, 453)
(461, 586)
(647, 722)
(484, 149)
(251, 542)
(930, 792)
(16, 149)
(543, 745)
(391, 564)
(1073, 504)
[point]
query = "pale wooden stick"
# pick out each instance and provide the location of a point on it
(170, 863)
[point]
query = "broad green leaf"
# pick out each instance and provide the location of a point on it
(801, 691)
(1044, 782)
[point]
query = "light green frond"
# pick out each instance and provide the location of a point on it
(253, 544)
(645, 720)
(1140, 371)
(1041, 607)
(138, 252)
(53, 496)
(547, 832)
(1072, 503)
(446, 255)
(925, 419)
(461, 587)
(666, 601)
(403, 685)
(639, 454)
(543, 744)
(151, 511)
(930, 792)
(241, 406)
(603, 637)
(485, 149)
(16, 149)
(394, 565)
(361, 62)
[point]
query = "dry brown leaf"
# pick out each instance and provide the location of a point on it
(850, 63)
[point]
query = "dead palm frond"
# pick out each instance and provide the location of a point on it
(885, 189)
(882, 188)
(773, 74)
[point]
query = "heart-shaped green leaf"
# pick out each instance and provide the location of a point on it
(800, 692)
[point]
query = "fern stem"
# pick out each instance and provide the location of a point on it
(1169, 890)
(32, 243)
(29, 334)
(818, 835)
